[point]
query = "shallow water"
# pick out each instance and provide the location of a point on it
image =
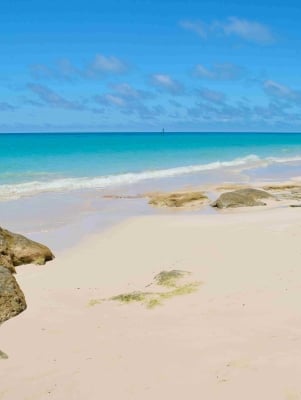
(52, 185)
(37, 163)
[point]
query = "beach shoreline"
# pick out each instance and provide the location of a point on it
(63, 220)
(235, 337)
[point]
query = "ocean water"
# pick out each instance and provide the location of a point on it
(31, 164)
(52, 186)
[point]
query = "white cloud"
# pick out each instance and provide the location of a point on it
(195, 26)
(102, 64)
(114, 100)
(53, 99)
(280, 91)
(126, 90)
(66, 71)
(212, 96)
(166, 82)
(222, 72)
(251, 31)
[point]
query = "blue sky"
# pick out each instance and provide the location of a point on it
(144, 65)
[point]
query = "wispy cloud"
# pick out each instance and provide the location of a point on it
(212, 96)
(251, 31)
(62, 70)
(197, 27)
(127, 91)
(220, 72)
(105, 65)
(281, 92)
(50, 98)
(129, 100)
(110, 99)
(65, 70)
(217, 109)
(167, 83)
(4, 106)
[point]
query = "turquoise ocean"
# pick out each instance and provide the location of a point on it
(58, 188)
(32, 164)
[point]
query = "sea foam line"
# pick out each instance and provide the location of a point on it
(9, 191)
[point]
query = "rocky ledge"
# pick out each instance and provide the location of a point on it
(242, 198)
(178, 200)
(16, 250)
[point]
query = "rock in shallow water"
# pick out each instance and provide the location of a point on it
(242, 198)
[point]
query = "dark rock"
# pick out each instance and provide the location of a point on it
(12, 301)
(242, 198)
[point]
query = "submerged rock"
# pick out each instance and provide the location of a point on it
(181, 199)
(242, 198)
(16, 250)
(12, 300)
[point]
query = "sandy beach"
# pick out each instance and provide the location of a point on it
(150, 200)
(237, 336)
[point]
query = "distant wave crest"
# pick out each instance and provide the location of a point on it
(15, 191)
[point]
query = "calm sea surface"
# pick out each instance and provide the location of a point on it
(37, 163)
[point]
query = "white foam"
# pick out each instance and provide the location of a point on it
(9, 191)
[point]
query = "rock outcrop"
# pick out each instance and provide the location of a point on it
(16, 250)
(287, 191)
(242, 198)
(12, 300)
(180, 199)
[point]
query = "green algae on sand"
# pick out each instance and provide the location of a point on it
(153, 299)
(170, 278)
(165, 279)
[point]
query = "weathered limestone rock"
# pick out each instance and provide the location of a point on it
(16, 250)
(288, 191)
(181, 199)
(242, 198)
(12, 301)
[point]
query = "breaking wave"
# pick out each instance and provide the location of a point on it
(14, 191)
